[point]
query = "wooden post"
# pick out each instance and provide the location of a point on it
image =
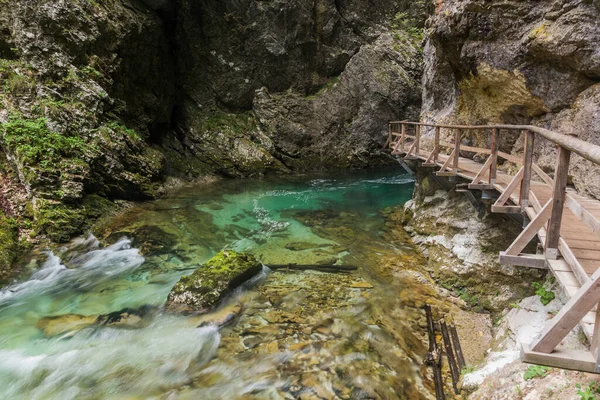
(527, 162)
(418, 139)
(595, 344)
(436, 144)
(558, 199)
(403, 137)
(457, 136)
(390, 138)
(569, 316)
(494, 165)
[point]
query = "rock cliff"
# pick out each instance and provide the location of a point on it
(102, 101)
(517, 62)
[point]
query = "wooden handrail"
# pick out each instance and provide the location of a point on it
(585, 149)
(546, 222)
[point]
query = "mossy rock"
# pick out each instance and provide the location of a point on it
(213, 281)
(8, 245)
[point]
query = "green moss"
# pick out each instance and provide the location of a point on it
(60, 221)
(331, 83)
(216, 278)
(34, 144)
(8, 242)
(220, 121)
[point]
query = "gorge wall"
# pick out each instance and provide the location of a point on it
(102, 101)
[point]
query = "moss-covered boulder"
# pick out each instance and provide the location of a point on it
(211, 282)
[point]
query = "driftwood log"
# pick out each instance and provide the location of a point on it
(345, 269)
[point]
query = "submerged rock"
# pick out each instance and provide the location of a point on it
(212, 281)
(58, 325)
(127, 318)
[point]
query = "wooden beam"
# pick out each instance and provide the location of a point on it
(523, 260)
(565, 359)
(595, 342)
(569, 316)
(480, 186)
(494, 156)
(506, 209)
(457, 136)
(527, 161)
(417, 138)
(510, 188)
(403, 137)
(510, 157)
(447, 162)
(436, 144)
(558, 198)
(544, 176)
(482, 171)
(530, 230)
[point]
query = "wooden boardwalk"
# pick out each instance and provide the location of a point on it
(566, 224)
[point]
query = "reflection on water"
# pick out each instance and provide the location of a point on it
(89, 324)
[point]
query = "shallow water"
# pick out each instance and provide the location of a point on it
(297, 334)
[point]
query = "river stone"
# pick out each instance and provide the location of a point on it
(214, 280)
(57, 325)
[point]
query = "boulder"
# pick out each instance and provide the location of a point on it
(214, 280)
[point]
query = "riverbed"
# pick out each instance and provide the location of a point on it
(285, 334)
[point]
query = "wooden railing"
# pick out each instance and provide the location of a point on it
(416, 140)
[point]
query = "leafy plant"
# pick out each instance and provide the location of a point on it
(546, 296)
(536, 371)
(590, 392)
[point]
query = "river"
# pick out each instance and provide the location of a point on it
(289, 334)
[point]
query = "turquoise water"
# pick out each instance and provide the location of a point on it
(278, 220)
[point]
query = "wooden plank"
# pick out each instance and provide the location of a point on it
(530, 230)
(527, 162)
(523, 260)
(584, 215)
(569, 316)
(576, 267)
(581, 244)
(558, 200)
(565, 359)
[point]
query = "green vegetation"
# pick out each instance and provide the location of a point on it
(8, 241)
(218, 120)
(536, 371)
(217, 277)
(590, 392)
(546, 296)
(33, 143)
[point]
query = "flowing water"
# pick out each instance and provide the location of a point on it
(296, 334)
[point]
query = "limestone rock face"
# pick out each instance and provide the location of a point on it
(211, 282)
(517, 62)
(284, 85)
